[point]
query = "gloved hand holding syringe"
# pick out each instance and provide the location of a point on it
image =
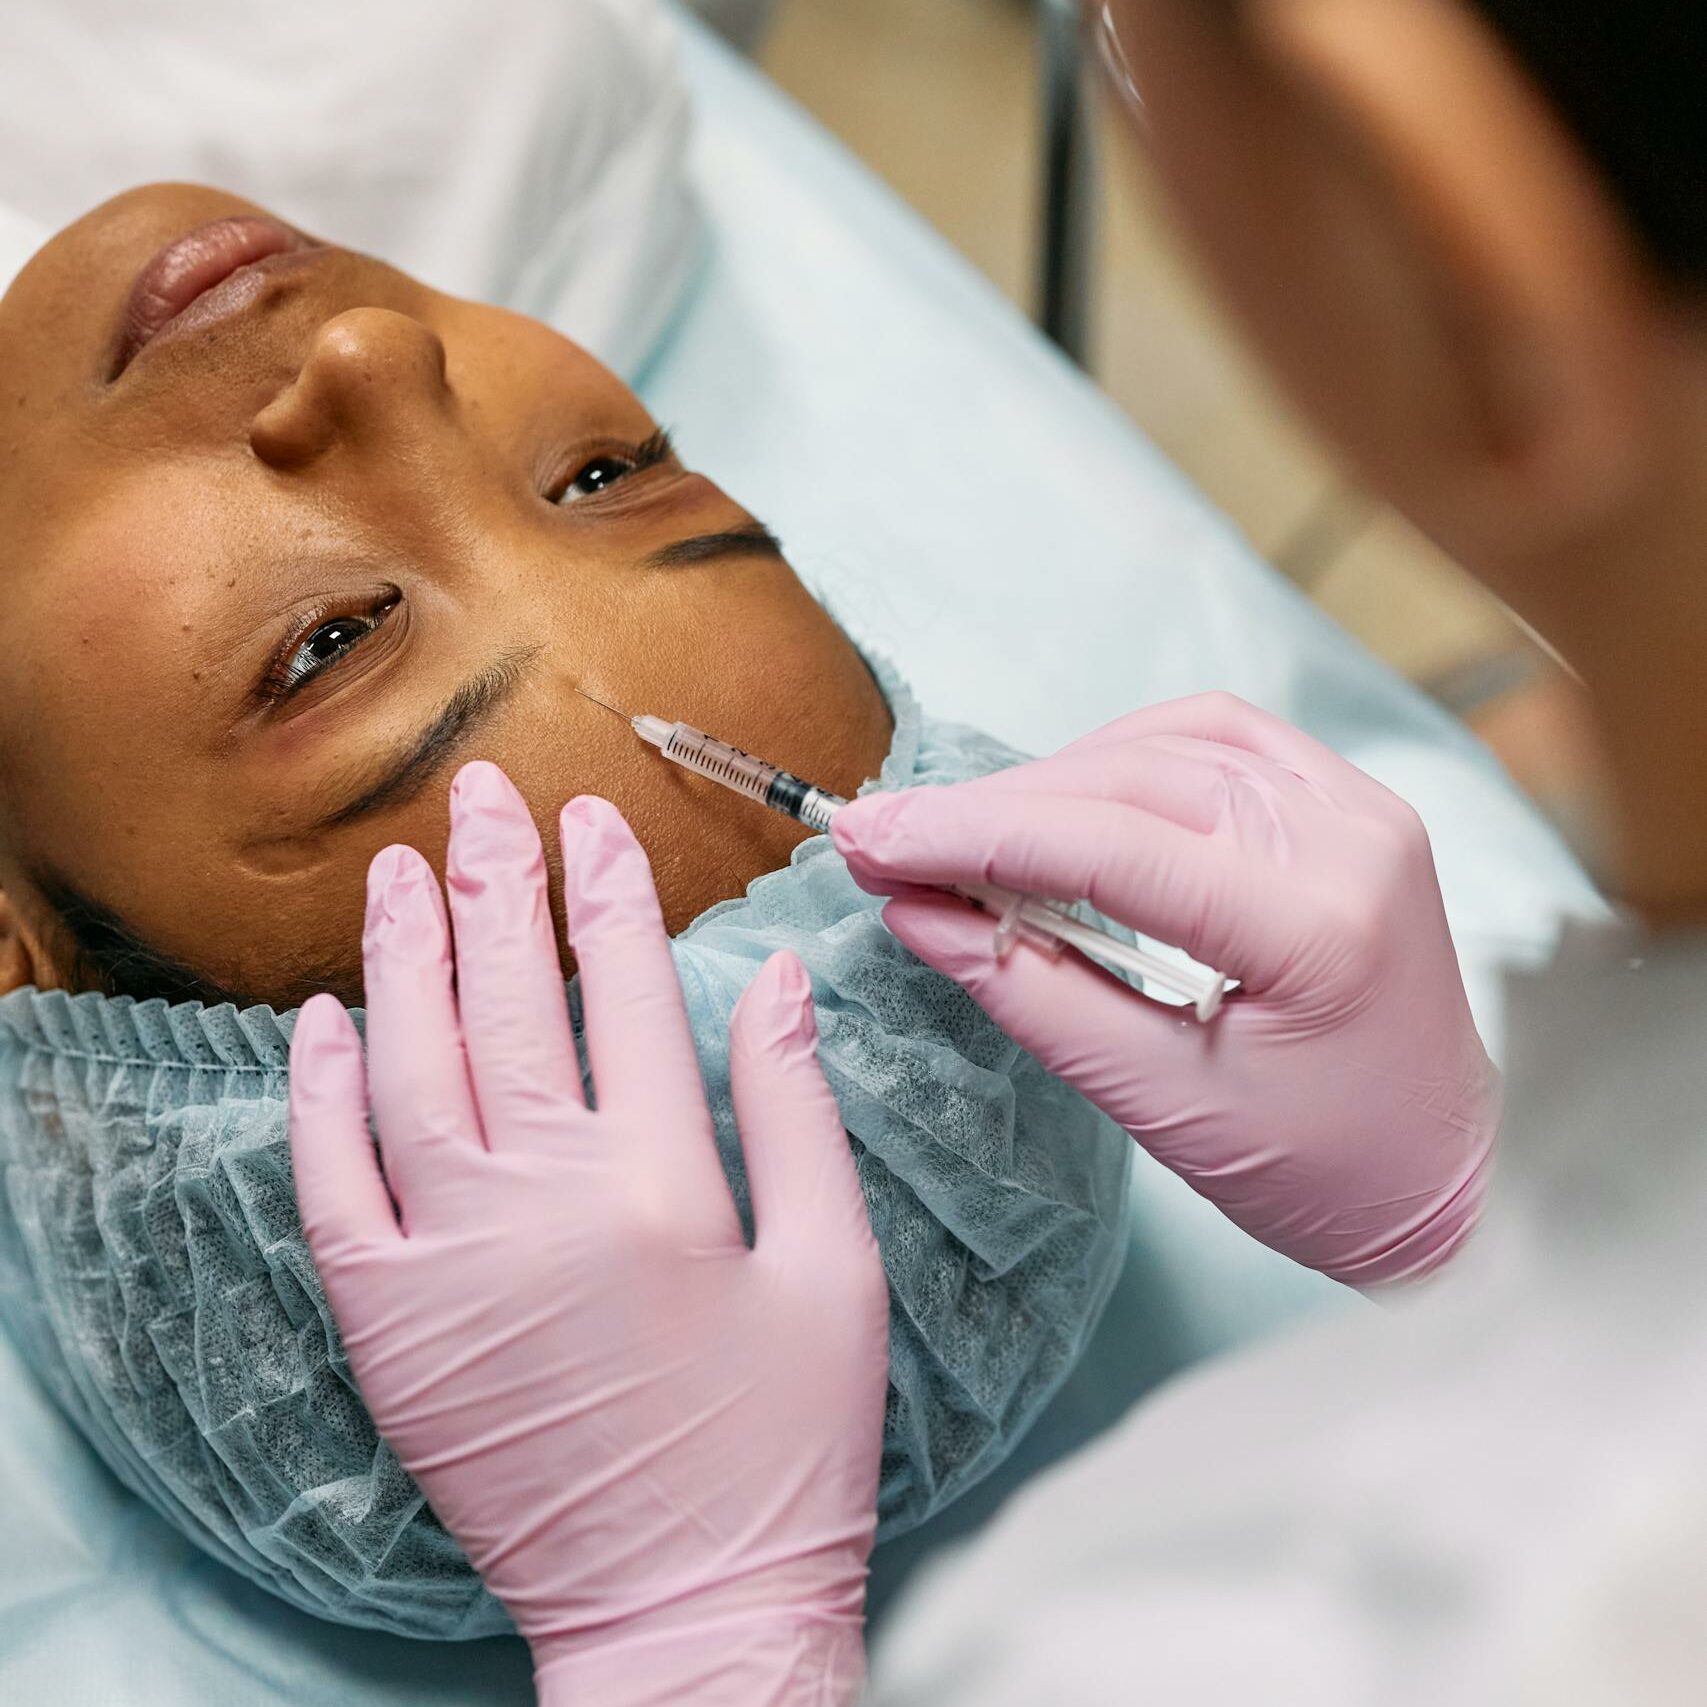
(1341, 1109)
(1044, 923)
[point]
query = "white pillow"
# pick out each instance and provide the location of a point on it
(529, 152)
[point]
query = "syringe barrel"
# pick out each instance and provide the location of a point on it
(768, 784)
(694, 750)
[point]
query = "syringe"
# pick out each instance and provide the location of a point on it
(1047, 924)
(770, 785)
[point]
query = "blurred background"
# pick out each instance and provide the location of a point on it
(944, 99)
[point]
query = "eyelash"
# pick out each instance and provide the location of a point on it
(633, 459)
(291, 671)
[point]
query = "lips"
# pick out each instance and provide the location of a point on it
(196, 278)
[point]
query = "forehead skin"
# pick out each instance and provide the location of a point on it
(156, 560)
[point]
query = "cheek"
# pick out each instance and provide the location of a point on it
(167, 878)
(528, 385)
(281, 942)
(761, 664)
(744, 652)
(705, 844)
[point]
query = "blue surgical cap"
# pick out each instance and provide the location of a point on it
(154, 1272)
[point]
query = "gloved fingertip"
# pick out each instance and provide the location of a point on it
(387, 866)
(863, 829)
(482, 786)
(404, 906)
(776, 1013)
(489, 822)
(598, 833)
(326, 1066)
(605, 869)
(318, 1015)
(322, 1031)
(944, 932)
(590, 813)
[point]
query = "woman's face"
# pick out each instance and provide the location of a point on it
(270, 575)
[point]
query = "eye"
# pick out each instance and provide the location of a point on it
(599, 473)
(319, 648)
(598, 476)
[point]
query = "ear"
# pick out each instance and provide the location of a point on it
(1543, 294)
(22, 958)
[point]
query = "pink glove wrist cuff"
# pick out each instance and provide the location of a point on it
(776, 1661)
(1427, 1249)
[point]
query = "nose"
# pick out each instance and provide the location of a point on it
(369, 374)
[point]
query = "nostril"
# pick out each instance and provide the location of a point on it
(361, 369)
(292, 430)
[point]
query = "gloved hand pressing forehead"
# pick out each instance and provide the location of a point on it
(1341, 1107)
(658, 1446)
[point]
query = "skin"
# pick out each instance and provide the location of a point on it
(1434, 269)
(356, 446)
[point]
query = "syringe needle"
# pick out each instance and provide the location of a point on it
(610, 708)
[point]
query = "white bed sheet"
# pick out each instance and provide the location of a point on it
(974, 509)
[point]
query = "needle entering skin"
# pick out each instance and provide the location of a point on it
(610, 708)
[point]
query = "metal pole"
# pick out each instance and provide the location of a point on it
(1067, 244)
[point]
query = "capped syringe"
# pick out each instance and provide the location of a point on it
(1049, 925)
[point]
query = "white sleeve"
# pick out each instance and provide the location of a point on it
(1444, 1506)
(1172, 1562)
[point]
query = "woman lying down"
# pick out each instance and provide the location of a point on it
(289, 538)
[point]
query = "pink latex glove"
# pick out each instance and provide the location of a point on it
(660, 1448)
(1341, 1107)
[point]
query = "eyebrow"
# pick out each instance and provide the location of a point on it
(400, 777)
(753, 540)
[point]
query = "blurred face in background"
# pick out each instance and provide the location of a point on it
(1437, 270)
(1422, 255)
